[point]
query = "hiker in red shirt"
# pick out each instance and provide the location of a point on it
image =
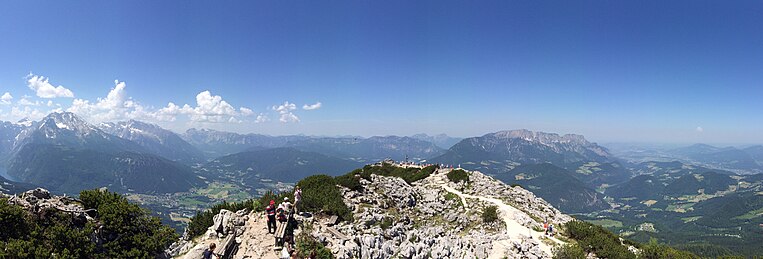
(270, 210)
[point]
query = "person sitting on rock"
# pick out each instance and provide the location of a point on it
(270, 211)
(281, 214)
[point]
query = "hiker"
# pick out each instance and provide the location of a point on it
(270, 210)
(209, 252)
(297, 199)
(551, 229)
(545, 228)
(286, 205)
(281, 215)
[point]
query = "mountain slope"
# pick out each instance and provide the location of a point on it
(731, 158)
(756, 152)
(692, 184)
(280, 164)
(66, 154)
(557, 186)
(155, 139)
(11, 187)
(8, 133)
(643, 187)
(495, 151)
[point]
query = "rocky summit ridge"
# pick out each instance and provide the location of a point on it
(430, 218)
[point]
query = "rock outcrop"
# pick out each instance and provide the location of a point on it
(422, 220)
(430, 218)
(39, 200)
(225, 232)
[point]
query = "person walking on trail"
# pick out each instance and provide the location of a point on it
(270, 211)
(210, 252)
(297, 199)
(545, 228)
(550, 229)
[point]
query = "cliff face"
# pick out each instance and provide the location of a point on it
(430, 218)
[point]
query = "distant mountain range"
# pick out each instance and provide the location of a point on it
(441, 140)
(499, 151)
(279, 164)
(219, 143)
(369, 150)
(155, 139)
(366, 150)
(740, 160)
(66, 154)
(563, 169)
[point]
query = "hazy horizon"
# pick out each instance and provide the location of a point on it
(646, 72)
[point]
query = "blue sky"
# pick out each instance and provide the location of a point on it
(636, 71)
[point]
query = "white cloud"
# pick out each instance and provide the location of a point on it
(209, 108)
(285, 112)
(312, 106)
(115, 106)
(27, 112)
(44, 89)
(699, 129)
(24, 101)
(246, 111)
(171, 112)
(6, 98)
(261, 118)
(118, 105)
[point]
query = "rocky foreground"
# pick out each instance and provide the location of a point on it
(431, 218)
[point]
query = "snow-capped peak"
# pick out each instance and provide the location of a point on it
(25, 122)
(66, 121)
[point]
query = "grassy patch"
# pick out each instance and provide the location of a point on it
(607, 223)
(751, 215)
(452, 196)
(649, 203)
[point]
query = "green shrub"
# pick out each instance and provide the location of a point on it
(307, 247)
(653, 250)
(708, 250)
(13, 219)
(350, 181)
(409, 175)
(569, 251)
(596, 239)
(125, 231)
(453, 196)
(386, 223)
(458, 175)
(489, 214)
(319, 193)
